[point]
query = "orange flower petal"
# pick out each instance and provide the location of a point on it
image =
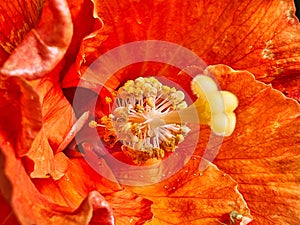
(57, 112)
(102, 212)
(258, 36)
(80, 179)
(193, 197)
(57, 116)
(81, 11)
(43, 47)
(31, 207)
(262, 154)
(289, 86)
(45, 164)
(17, 18)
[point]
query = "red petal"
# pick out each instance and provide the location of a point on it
(81, 10)
(193, 197)
(31, 207)
(20, 113)
(17, 18)
(262, 154)
(22, 119)
(102, 213)
(44, 46)
(7, 216)
(80, 179)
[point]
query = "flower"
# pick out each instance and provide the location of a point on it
(256, 172)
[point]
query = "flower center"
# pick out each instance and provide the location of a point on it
(136, 120)
(150, 119)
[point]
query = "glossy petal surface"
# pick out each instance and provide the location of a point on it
(258, 36)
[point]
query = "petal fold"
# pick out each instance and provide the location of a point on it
(80, 179)
(43, 47)
(17, 18)
(32, 207)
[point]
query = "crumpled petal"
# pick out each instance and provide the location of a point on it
(258, 36)
(28, 204)
(36, 117)
(263, 153)
(81, 10)
(17, 18)
(32, 207)
(57, 112)
(43, 48)
(57, 120)
(20, 111)
(101, 212)
(194, 197)
(45, 163)
(80, 178)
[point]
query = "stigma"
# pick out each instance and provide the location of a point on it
(151, 119)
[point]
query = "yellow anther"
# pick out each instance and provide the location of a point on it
(114, 93)
(135, 129)
(108, 100)
(181, 105)
(93, 124)
(178, 138)
(169, 146)
(138, 108)
(150, 102)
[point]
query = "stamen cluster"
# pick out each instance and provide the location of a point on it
(136, 120)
